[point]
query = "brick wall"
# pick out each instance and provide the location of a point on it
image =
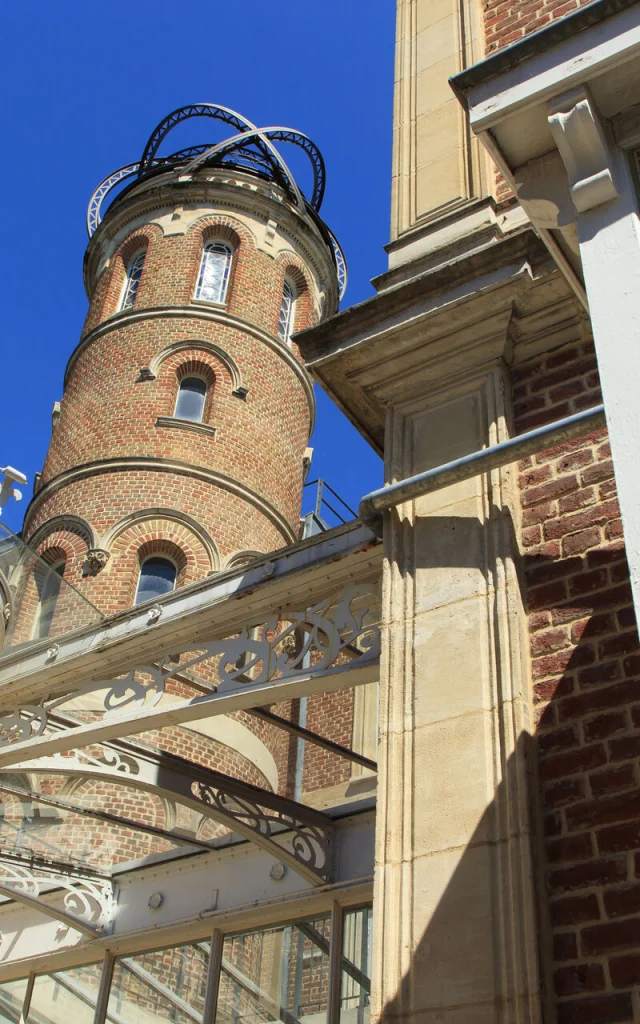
(506, 21)
(585, 675)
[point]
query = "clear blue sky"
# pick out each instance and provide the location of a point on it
(84, 84)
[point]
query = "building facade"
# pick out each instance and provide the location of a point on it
(492, 873)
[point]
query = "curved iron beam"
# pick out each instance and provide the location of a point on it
(168, 123)
(269, 135)
(100, 194)
(257, 815)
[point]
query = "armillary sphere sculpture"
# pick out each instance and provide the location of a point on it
(250, 149)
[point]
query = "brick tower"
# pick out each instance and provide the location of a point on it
(178, 447)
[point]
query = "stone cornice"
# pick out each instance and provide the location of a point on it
(160, 465)
(456, 319)
(199, 312)
(225, 193)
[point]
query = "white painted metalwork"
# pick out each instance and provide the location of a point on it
(336, 634)
(215, 269)
(89, 903)
(134, 273)
(289, 831)
(287, 310)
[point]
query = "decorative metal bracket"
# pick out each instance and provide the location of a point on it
(88, 904)
(342, 629)
(298, 835)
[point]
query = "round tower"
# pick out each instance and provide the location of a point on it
(178, 447)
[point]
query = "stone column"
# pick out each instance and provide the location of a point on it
(455, 932)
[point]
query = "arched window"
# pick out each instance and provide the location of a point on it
(157, 577)
(215, 267)
(134, 273)
(192, 392)
(48, 585)
(287, 310)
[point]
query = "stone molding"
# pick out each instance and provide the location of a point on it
(66, 522)
(219, 316)
(170, 515)
(159, 465)
(226, 195)
(205, 346)
(178, 424)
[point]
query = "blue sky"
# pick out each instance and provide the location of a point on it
(85, 84)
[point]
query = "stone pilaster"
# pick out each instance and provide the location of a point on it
(455, 933)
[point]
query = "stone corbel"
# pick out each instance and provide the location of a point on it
(96, 560)
(579, 136)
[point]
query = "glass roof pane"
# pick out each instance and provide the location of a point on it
(65, 997)
(168, 984)
(12, 995)
(36, 603)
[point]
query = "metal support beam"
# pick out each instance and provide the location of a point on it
(313, 737)
(568, 429)
(112, 819)
(298, 835)
(240, 698)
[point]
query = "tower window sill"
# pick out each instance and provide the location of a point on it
(208, 302)
(173, 421)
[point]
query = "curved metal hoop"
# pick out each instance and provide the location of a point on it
(267, 136)
(160, 132)
(253, 149)
(103, 189)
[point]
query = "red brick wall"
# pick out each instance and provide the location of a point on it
(506, 21)
(586, 684)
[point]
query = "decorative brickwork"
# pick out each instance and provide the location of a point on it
(586, 674)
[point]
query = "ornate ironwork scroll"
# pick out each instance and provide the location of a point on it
(310, 842)
(337, 630)
(89, 901)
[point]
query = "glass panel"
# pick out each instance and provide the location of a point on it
(214, 272)
(65, 997)
(169, 985)
(35, 602)
(191, 396)
(134, 273)
(50, 588)
(157, 577)
(355, 983)
(11, 999)
(277, 974)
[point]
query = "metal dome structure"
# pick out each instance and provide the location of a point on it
(251, 150)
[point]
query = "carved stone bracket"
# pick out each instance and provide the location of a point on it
(579, 136)
(96, 560)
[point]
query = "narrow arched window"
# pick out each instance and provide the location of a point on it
(157, 577)
(134, 273)
(287, 310)
(192, 392)
(48, 589)
(215, 267)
